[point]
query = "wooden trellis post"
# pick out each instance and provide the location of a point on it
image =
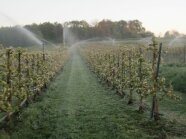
(19, 69)
(184, 54)
(8, 78)
(155, 107)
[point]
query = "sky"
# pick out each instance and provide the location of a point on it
(157, 16)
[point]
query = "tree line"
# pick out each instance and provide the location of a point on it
(53, 32)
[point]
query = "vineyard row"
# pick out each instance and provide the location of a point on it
(129, 71)
(23, 74)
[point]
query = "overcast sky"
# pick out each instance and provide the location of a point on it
(157, 15)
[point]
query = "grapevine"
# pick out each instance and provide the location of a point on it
(24, 73)
(129, 71)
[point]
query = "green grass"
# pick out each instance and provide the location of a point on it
(176, 73)
(77, 106)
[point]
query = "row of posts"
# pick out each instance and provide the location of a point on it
(8, 80)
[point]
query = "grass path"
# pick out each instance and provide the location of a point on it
(76, 106)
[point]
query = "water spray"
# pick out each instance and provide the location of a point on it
(23, 30)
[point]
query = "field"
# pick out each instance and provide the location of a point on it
(88, 95)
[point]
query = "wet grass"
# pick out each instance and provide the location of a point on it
(176, 73)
